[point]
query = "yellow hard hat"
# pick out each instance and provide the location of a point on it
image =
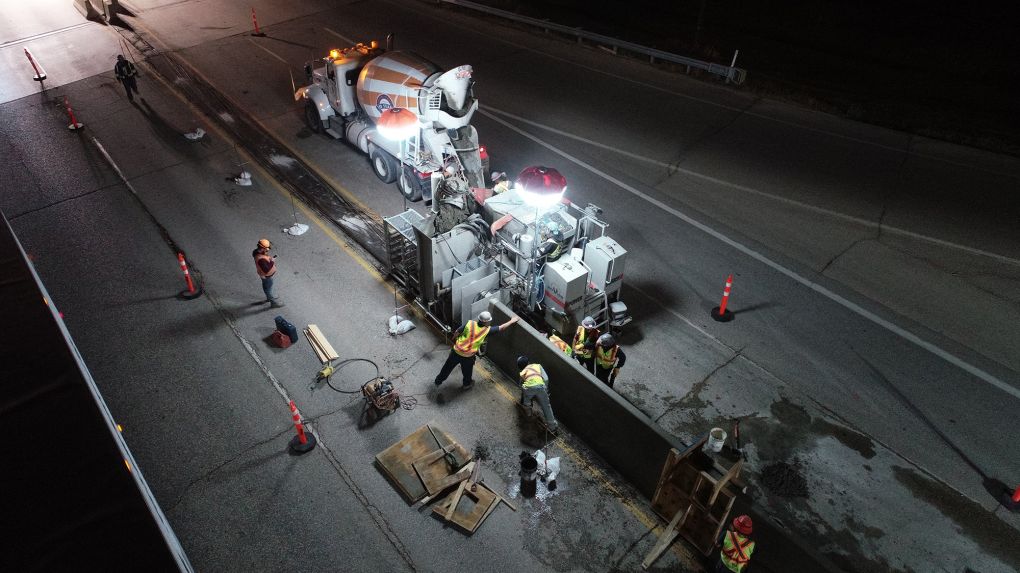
(265, 244)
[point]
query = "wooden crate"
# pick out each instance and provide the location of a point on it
(690, 487)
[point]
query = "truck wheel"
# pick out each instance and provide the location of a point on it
(384, 165)
(312, 117)
(409, 184)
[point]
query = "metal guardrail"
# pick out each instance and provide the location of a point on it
(732, 74)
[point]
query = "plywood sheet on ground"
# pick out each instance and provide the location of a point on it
(397, 460)
(472, 506)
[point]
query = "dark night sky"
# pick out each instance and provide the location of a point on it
(935, 68)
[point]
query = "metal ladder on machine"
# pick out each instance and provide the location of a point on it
(596, 305)
(402, 250)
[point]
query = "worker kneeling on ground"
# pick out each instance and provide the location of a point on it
(466, 347)
(584, 343)
(736, 546)
(535, 386)
(609, 358)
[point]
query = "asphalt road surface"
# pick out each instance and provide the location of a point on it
(875, 273)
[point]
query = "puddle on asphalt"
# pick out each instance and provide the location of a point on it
(537, 508)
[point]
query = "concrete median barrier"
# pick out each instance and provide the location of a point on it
(630, 441)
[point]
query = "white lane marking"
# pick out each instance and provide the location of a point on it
(268, 51)
(851, 306)
(339, 35)
(766, 117)
(753, 191)
(43, 35)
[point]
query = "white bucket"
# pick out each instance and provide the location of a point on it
(716, 439)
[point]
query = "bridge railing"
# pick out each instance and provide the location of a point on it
(730, 73)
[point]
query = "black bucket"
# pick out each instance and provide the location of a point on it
(529, 470)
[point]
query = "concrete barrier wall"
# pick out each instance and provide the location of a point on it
(630, 441)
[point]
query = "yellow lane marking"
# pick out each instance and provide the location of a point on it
(642, 516)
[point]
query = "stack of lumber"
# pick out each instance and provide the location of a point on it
(323, 349)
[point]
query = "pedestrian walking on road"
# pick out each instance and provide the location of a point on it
(584, 343)
(737, 546)
(127, 75)
(466, 347)
(609, 358)
(535, 386)
(265, 265)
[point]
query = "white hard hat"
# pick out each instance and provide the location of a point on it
(606, 340)
(588, 322)
(485, 316)
(497, 175)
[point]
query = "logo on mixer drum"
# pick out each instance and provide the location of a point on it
(383, 103)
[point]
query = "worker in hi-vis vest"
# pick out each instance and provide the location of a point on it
(609, 358)
(560, 344)
(265, 266)
(535, 386)
(465, 348)
(736, 546)
(584, 343)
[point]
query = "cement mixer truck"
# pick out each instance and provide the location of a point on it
(351, 88)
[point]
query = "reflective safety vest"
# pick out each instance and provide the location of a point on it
(555, 253)
(606, 359)
(559, 343)
(265, 257)
(580, 338)
(531, 376)
(470, 339)
(736, 551)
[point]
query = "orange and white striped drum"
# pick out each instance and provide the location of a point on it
(393, 80)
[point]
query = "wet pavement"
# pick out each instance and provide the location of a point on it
(202, 395)
(863, 501)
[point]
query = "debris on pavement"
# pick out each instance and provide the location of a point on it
(548, 468)
(400, 325)
(199, 133)
(784, 480)
(296, 229)
(243, 179)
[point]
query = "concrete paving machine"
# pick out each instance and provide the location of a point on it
(350, 90)
(547, 258)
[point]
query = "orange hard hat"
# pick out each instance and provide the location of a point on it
(265, 244)
(742, 524)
